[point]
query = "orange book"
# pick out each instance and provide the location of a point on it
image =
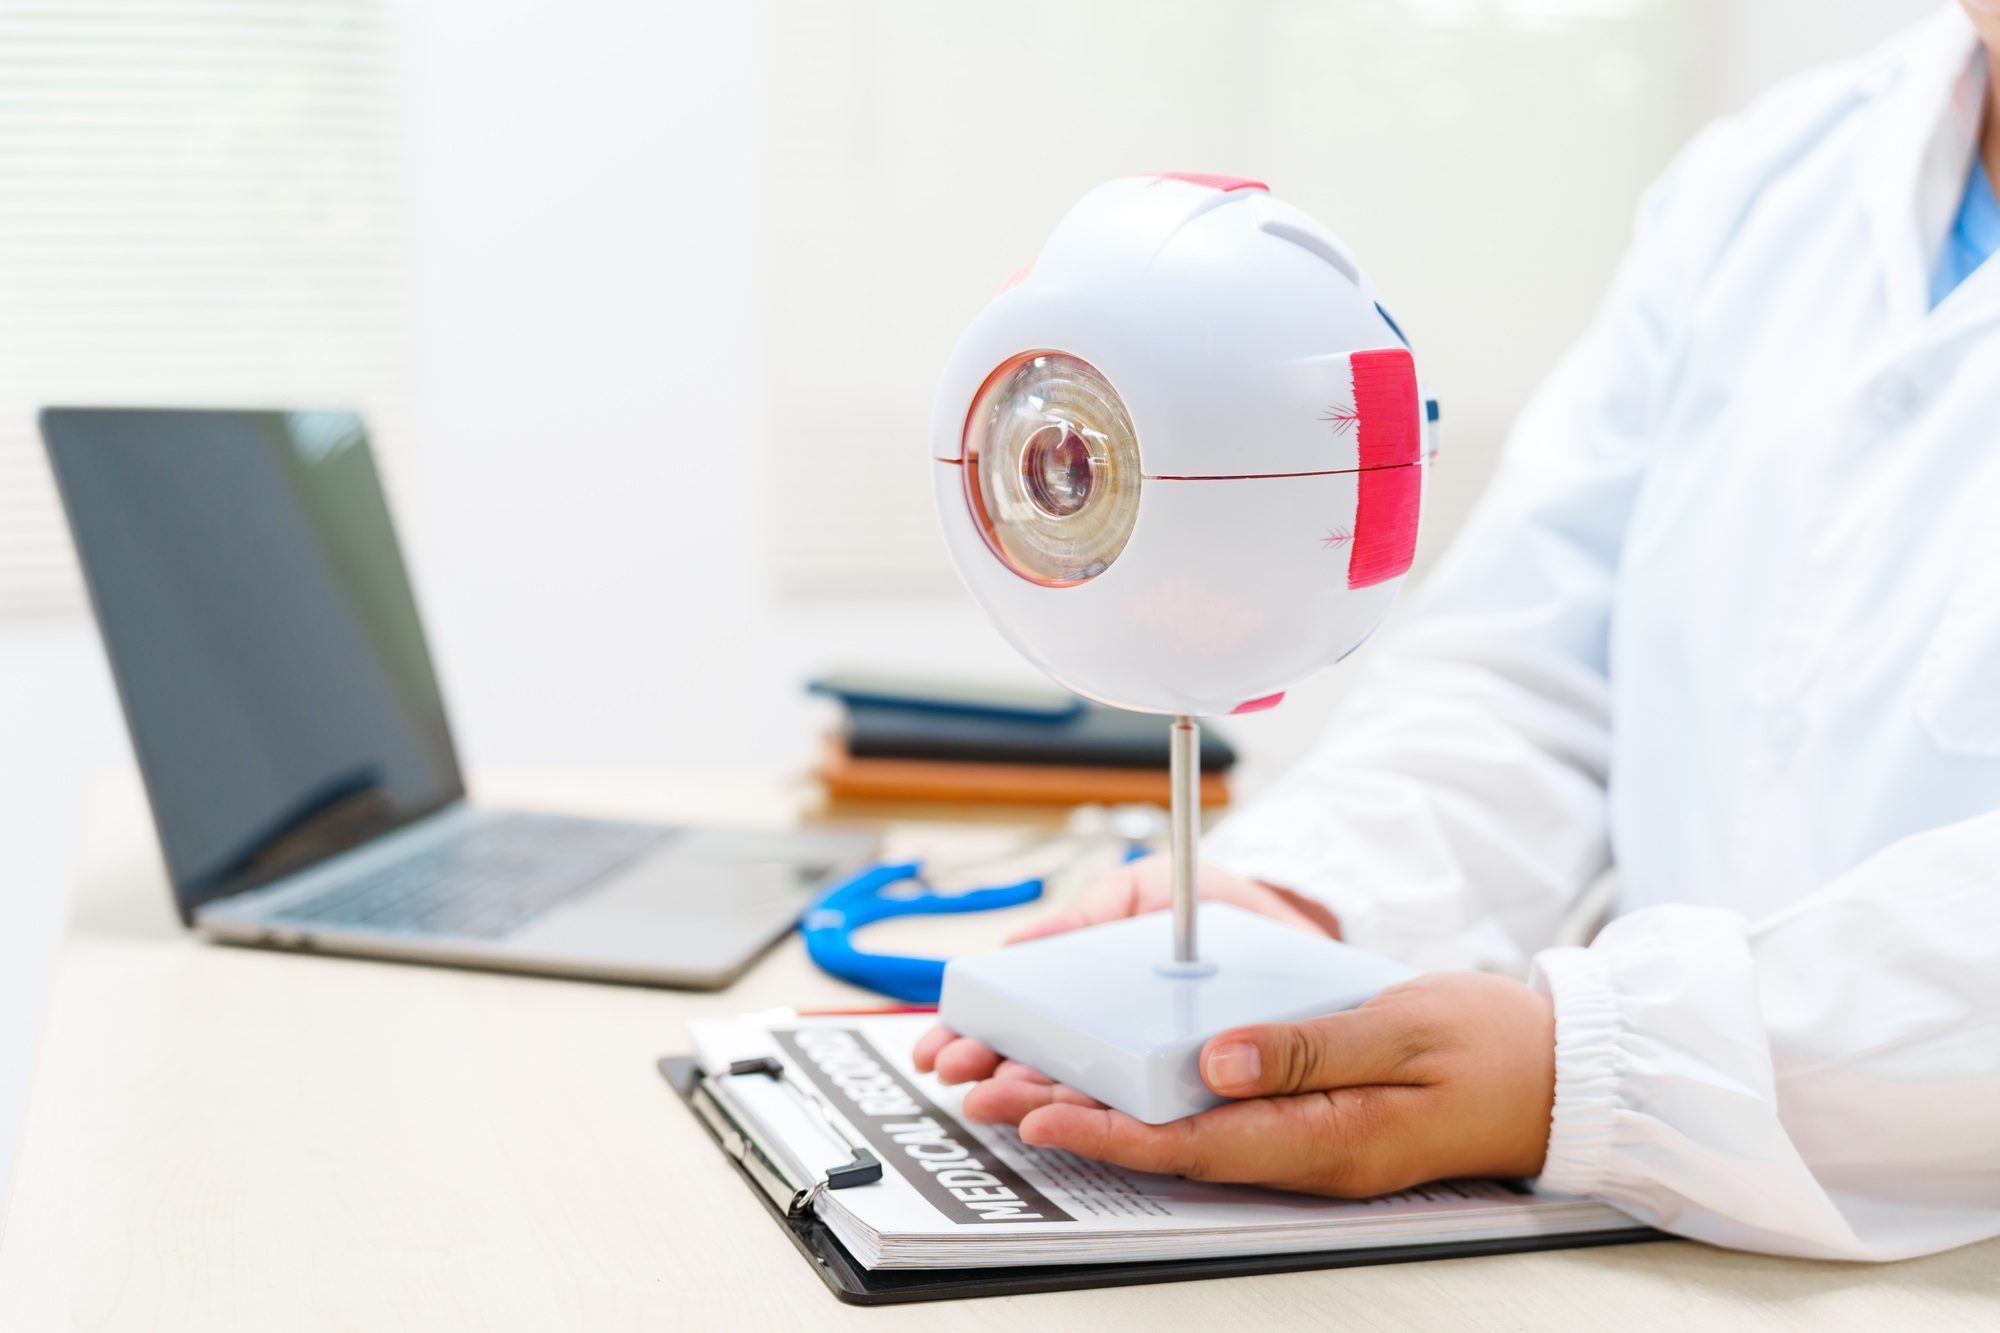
(919, 781)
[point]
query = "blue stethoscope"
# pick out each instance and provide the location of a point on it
(901, 888)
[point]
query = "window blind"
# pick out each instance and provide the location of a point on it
(198, 205)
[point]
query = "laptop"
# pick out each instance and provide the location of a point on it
(303, 780)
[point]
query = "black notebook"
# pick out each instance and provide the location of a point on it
(1094, 737)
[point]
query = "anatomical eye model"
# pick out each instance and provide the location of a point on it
(1179, 460)
(1142, 445)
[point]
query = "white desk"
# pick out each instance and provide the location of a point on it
(229, 1139)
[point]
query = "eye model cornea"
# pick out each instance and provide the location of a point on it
(1052, 470)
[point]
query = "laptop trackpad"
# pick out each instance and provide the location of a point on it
(672, 914)
(675, 885)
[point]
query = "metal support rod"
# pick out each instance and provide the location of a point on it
(1184, 776)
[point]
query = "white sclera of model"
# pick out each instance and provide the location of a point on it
(1179, 461)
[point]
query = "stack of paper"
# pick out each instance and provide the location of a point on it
(957, 1195)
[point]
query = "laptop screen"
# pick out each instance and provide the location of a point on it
(262, 633)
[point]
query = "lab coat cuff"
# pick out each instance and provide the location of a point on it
(1589, 1023)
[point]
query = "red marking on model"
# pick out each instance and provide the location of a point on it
(1385, 398)
(1017, 277)
(1385, 525)
(1259, 705)
(1213, 181)
(1335, 537)
(1343, 419)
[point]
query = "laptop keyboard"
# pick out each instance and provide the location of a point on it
(486, 883)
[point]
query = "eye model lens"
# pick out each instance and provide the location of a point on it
(1052, 468)
(1055, 470)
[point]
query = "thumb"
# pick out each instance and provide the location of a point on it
(1352, 1049)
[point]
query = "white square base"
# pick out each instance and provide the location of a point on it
(1102, 1009)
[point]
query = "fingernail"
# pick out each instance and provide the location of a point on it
(1234, 1064)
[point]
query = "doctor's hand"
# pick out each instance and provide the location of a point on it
(1147, 885)
(1448, 1075)
(1131, 890)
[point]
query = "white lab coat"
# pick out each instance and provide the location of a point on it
(1729, 619)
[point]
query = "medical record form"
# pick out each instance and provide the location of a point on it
(953, 1194)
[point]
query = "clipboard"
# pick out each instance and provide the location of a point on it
(789, 1199)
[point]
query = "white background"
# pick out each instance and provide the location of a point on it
(677, 278)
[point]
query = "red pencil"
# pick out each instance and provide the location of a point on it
(878, 1009)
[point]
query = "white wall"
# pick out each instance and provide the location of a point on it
(1765, 40)
(586, 516)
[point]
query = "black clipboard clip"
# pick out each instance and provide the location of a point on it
(770, 1168)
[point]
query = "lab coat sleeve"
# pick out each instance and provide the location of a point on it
(1457, 805)
(1824, 1082)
